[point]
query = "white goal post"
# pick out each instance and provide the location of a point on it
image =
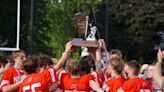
(18, 31)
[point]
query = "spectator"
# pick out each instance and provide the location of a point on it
(151, 80)
(157, 76)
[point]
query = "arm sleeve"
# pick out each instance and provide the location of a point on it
(50, 76)
(162, 86)
(99, 66)
(6, 79)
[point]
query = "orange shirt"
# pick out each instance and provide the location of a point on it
(11, 76)
(105, 74)
(97, 77)
(112, 85)
(60, 72)
(39, 81)
(136, 85)
(78, 83)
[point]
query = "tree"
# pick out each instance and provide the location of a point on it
(133, 26)
(63, 23)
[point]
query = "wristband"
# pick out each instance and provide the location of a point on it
(160, 61)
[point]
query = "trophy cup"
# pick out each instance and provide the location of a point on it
(84, 26)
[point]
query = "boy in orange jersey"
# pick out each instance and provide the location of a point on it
(88, 65)
(4, 65)
(42, 80)
(113, 84)
(74, 81)
(37, 81)
(112, 54)
(134, 83)
(11, 79)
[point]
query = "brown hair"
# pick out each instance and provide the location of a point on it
(117, 64)
(73, 67)
(133, 64)
(45, 60)
(87, 63)
(31, 64)
(3, 61)
(16, 53)
(115, 52)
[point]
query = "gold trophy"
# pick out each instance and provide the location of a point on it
(84, 26)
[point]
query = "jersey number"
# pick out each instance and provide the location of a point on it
(33, 86)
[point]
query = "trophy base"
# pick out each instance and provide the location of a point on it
(80, 42)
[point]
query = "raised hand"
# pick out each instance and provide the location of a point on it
(160, 55)
(69, 47)
(94, 85)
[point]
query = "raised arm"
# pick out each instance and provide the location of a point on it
(97, 54)
(65, 55)
(101, 50)
(157, 75)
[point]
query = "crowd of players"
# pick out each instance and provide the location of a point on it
(97, 71)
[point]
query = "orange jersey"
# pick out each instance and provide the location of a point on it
(105, 75)
(11, 76)
(136, 85)
(112, 85)
(97, 77)
(78, 83)
(39, 81)
(60, 72)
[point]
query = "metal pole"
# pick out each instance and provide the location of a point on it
(31, 27)
(18, 25)
(106, 27)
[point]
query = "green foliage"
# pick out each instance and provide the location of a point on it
(63, 24)
(129, 25)
(133, 26)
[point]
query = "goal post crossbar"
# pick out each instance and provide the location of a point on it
(18, 32)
